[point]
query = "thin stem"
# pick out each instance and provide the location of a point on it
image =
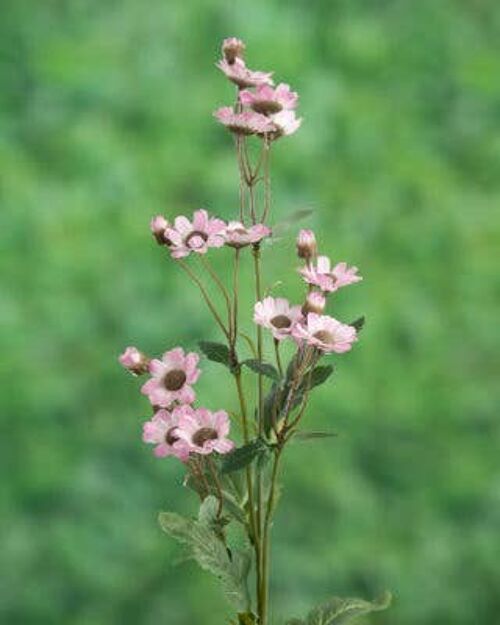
(236, 275)
(278, 357)
(217, 484)
(206, 297)
(267, 180)
(223, 290)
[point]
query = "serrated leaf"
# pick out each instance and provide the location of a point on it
(319, 375)
(212, 555)
(359, 323)
(308, 436)
(340, 611)
(241, 457)
(217, 352)
(263, 368)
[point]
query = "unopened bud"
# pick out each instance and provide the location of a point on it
(232, 49)
(158, 226)
(135, 361)
(315, 303)
(306, 244)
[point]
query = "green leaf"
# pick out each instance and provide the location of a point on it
(217, 352)
(207, 514)
(320, 375)
(263, 368)
(340, 611)
(211, 553)
(308, 436)
(358, 324)
(241, 457)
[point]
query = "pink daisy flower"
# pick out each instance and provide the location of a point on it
(267, 99)
(239, 73)
(325, 333)
(162, 431)
(245, 123)
(237, 235)
(277, 315)
(204, 431)
(196, 236)
(328, 279)
(172, 377)
(135, 361)
(315, 302)
(285, 123)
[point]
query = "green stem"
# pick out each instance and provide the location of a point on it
(223, 290)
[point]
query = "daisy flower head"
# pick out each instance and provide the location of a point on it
(195, 236)
(244, 123)
(277, 315)
(172, 378)
(237, 235)
(325, 333)
(204, 431)
(238, 73)
(162, 431)
(268, 100)
(134, 361)
(329, 279)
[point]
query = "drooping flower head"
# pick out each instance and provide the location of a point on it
(325, 333)
(329, 279)
(244, 123)
(239, 73)
(277, 315)
(315, 302)
(237, 235)
(306, 244)
(269, 100)
(172, 377)
(162, 431)
(158, 226)
(196, 235)
(135, 361)
(204, 431)
(232, 48)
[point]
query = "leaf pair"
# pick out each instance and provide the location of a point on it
(208, 549)
(339, 611)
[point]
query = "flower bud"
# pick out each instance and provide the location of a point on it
(315, 303)
(135, 361)
(232, 49)
(158, 226)
(306, 244)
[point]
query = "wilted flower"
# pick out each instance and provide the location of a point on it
(325, 333)
(328, 279)
(239, 73)
(232, 48)
(162, 431)
(196, 236)
(306, 244)
(204, 431)
(315, 303)
(134, 360)
(245, 123)
(237, 235)
(267, 99)
(277, 315)
(172, 378)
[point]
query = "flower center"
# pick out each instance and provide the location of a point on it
(323, 336)
(203, 435)
(170, 437)
(196, 239)
(174, 380)
(266, 107)
(281, 322)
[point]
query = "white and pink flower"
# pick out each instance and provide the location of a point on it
(172, 378)
(244, 123)
(325, 333)
(267, 100)
(277, 315)
(158, 226)
(232, 48)
(306, 244)
(162, 431)
(134, 361)
(329, 279)
(237, 235)
(197, 235)
(285, 123)
(204, 431)
(315, 302)
(239, 73)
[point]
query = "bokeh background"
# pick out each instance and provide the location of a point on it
(105, 119)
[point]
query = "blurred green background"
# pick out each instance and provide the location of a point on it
(105, 119)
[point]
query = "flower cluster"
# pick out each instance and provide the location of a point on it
(177, 428)
(266, 110)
